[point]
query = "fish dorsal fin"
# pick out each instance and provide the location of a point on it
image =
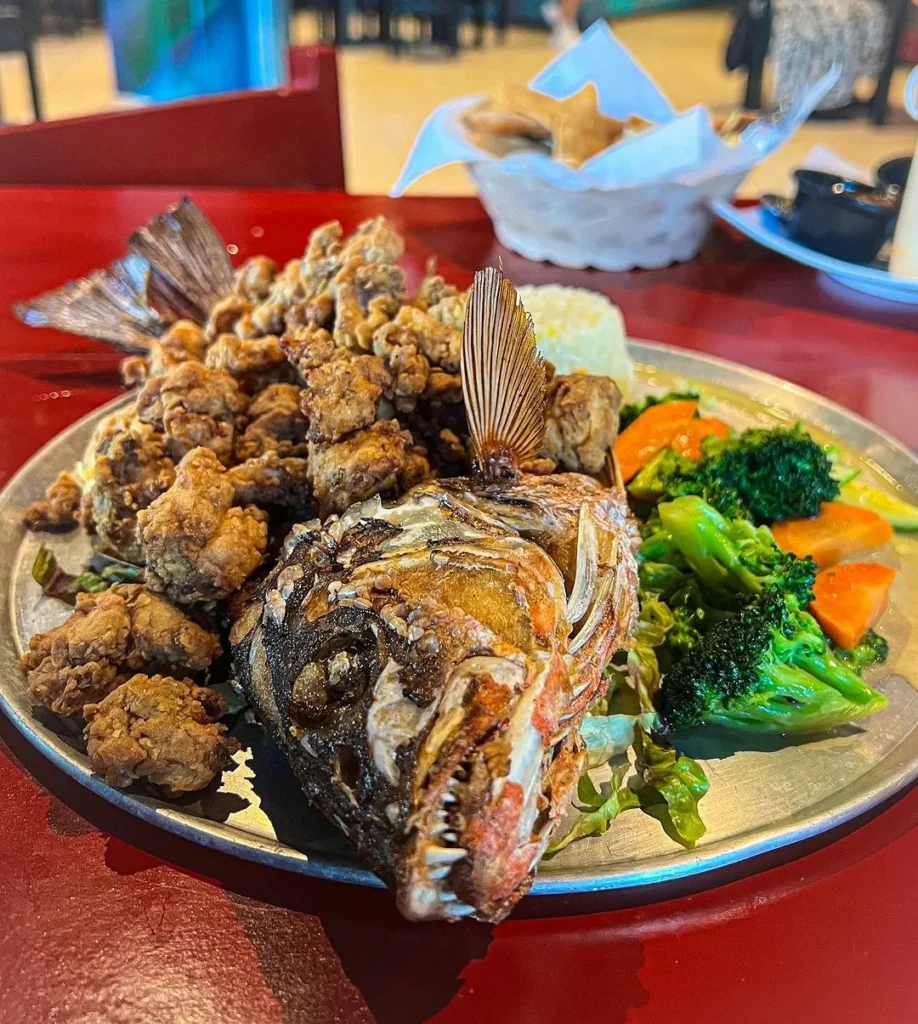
(503, 379)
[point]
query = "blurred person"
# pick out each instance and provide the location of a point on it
(808, 36)
(561, 16)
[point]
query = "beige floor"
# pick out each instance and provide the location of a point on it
(385, 99)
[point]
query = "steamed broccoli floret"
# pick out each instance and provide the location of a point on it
(765, 475)
(631, 410)
(729, 558)
(872, 650)
(766, 669)
(777, 474)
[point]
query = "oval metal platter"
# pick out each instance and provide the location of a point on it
(764, 794)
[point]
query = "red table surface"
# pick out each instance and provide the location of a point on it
(106, 919)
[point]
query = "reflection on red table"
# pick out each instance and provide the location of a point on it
(105, 919)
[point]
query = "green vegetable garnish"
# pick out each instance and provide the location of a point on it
(765, 666)
(676, 782)
(765, 475)
(600, 808)
(64, 586)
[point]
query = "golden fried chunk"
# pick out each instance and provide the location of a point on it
(254, 278)
(253, 363)
(182, 342)
(57, 511)
(268, 318)
(193, 406)
(276, 424)
(196, 546)
(308, 348)
(225, 315)
(366, 295)
(582, 421)
(130, 469)
(320, 261)
(316, 311)
(441, 343)
(110, 634)
(342, 395)
(375, 241)
(410, 368)
(272, 480)
(159, 729)
(379, 460)
(433, 288)
(450, 310)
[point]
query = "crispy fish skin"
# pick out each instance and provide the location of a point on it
(415, 663)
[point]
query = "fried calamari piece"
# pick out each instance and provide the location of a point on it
(581, 421)
(183, 341)
(58, 510)
(276, 424)
(253, 363)
(110, 634)
(193, 406)
(196, 546)
(272, 480)
(225, 315)
(342, 395)
(308, 348)
(130, 469)
(439, 342)
(159, 729)
(254, 278)
(382, 459)
(367, 295)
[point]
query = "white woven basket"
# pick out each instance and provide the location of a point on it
(649, 226)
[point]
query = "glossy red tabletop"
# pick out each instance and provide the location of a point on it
(105, 920)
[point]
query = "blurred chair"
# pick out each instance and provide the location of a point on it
(442, 18)
(279, 138)
(751, 42)
(18, 31)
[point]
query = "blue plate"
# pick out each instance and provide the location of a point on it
(765, 229)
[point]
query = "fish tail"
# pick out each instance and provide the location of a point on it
(177, 268)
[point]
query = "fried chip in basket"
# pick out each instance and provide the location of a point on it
(516, 117)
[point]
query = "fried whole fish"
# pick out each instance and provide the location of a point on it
(425, 665)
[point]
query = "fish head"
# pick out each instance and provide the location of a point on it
(411, 662)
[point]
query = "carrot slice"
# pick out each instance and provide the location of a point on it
(650, 432)
(688, 442)
(850, 598)
(839, 531)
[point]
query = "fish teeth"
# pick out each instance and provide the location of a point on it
(435, 874)
(451, 837)
(461, 910)
(450, 798)
(442, 855)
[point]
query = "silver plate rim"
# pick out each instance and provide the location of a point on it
(795, 400)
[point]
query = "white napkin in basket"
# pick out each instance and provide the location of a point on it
(681, 148)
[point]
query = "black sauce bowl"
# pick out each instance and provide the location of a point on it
(848, 220)
(894, 172)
